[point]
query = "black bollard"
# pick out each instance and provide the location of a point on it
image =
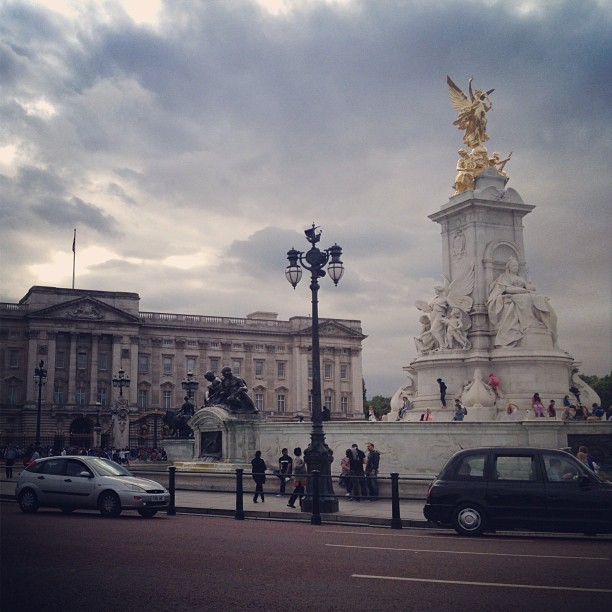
(315, 519)
(239, 507)
(172, 489)
(396, 521)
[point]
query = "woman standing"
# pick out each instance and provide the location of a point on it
(538, 406)
(258, 471)
(299, 474)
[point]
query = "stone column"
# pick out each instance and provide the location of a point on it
(93, 372)
(133, 371)
(72, 371)
(50, 364)
(33, 359)
(115, 363)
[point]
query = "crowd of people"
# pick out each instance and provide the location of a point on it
(13, 454)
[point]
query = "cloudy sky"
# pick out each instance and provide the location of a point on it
(191, 143)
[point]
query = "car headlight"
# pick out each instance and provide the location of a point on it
(136, 488)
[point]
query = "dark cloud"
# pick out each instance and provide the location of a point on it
(225, 131)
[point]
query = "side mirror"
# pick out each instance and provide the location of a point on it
(584, 481)
(85, 474)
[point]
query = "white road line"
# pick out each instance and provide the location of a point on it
(486, 584)
(468, 552)
(437, 536)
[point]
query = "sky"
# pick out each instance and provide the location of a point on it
(192, 142)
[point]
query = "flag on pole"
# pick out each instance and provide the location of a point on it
(74, 242)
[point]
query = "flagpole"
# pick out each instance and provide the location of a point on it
(73, 256)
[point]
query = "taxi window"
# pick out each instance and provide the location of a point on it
(512, 467)
(560, 468)
(470, 467)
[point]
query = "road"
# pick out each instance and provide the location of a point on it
(83, 562)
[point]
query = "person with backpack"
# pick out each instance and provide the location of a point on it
(299, 475)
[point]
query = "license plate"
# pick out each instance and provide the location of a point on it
(157, 498)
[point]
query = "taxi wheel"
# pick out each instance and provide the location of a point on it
(469, 520)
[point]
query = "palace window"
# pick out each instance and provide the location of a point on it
(259, 368)
(81, 360)
(280, 369)
(13, 358)
(167, 363)
(280, 403)
(214, 364)
(344, 403)
(143, 364)
(102, 360)
(143, 398)
(60, 360)
(236, 367)
(191, 365)
(344, 371)
(58, 393)
(80, 396)
(167, 399)
(329, 402)
(259, 401)
(102, 396)
(328, 371)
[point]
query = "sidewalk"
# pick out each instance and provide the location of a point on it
(275, 508)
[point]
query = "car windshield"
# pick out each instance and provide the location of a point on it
(105, 467)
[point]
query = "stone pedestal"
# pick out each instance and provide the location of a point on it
(504, 325)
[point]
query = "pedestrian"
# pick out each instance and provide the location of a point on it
(371, 414)
(258, 472)
(443, 388)
(285, 467)
(597, 414)
(406, 406)
(495, 383)
(552, 412)
(356, 460)
(299, 477)
(459, 411)
(427, 416)
(345, 474)
(9, 460)
(371, 471)
(538, 407)
(325, 414)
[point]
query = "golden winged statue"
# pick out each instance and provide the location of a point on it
(472, 112)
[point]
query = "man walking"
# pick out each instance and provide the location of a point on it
(442, 386)
(371, 471)
(285, 468)
(357, 459)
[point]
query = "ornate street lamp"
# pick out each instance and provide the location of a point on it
(121, 380)
(190, 384)
(40, 378)
(318, 455)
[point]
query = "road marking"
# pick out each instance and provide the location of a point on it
(486, 584)
(469, 552)
(412, 535)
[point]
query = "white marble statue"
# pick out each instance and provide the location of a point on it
(446, 320)
(515, 308)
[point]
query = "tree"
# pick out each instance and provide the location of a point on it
(381, 405)
(602, 386)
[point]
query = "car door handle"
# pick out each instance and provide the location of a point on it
(41, 478)
(67, 479)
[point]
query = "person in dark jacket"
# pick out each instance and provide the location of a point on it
(258, 471)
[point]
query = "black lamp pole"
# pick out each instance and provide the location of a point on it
(318, 455)
(40, 378)
(121, 380)
(190, 384)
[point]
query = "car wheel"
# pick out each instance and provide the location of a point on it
(109, 504)
(67, 509)
(469, 520)
(147, 512)
(28, 501)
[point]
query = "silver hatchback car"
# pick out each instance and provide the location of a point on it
(73, 482)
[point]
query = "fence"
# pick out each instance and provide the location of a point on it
(234, 483)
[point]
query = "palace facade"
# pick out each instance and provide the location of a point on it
(86, 337)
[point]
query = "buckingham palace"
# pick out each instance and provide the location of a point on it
(83, 340)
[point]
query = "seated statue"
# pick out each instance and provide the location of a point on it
(515, 308)
(231, 392)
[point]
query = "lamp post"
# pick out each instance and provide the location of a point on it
(97, 428)
(318, 455)
(190, 384)
(40, 378)
(121, 380)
